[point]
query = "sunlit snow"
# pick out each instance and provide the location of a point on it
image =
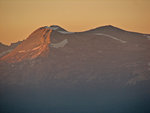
(65, 32)
(59, 44)
(112, 37)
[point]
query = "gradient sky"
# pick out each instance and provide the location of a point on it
(19, 18)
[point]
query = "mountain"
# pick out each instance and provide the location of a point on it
(105, 69)
(5, 49)
(37, 44)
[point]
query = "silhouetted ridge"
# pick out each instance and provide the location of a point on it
(105, 28)
(110, 27)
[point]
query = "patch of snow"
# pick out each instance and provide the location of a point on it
(22, 51)
(52, 27)
(47, 27)
(59, 44)
(112, 37)
(36, 48)
(65, 32)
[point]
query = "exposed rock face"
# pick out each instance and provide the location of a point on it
(35, 45)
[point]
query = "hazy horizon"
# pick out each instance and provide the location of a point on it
(19, 18)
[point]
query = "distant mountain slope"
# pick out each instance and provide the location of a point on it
(106, 70)
(33, 46)
(106, 50)
(5, 49)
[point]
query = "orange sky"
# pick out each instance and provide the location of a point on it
(18, 18)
